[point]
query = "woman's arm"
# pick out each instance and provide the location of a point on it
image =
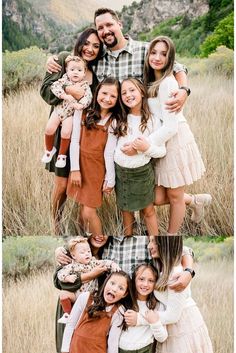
(71, 287)
(74, 317)
(175, 304)
(49, 79)
(184, 278)
(169, 120)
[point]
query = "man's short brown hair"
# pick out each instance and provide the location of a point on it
(103, 10)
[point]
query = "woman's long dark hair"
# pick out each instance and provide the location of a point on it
(81, 40)
(94, 112)
(151, 300)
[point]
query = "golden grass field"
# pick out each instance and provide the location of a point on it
(27, 186)
(29, 308)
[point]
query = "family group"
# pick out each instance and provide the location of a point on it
(117, 123)
(127, 294)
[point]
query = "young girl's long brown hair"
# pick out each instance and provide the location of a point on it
(151, 301)
(170, 249)
(94, 112)
(149, 75)
(145, 111)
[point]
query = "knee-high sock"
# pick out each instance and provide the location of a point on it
(66, 305)
(49, 140)
(64, 146)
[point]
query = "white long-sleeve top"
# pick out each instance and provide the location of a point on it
(137, 337)
(175, 302)
(108, 152)
(157, 107)
(156, 150)
(77, 311)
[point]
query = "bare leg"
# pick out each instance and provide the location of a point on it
(128, 222)
(91, 220)
(58, 202)
(177, 209)
(161, 197)
(150, 219)
(65, 294)
(66, 128)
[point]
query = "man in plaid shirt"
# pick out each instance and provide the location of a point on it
(124, 57)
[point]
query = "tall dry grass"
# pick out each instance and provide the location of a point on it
(29, 309)
(27, 186)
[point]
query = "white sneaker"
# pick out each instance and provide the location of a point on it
(197, 206)
(63, 319)
(61, 161)
(47, 157)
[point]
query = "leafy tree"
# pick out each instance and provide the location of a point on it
(222, 35)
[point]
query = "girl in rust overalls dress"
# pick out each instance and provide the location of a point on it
(92, 148)
(95, 323)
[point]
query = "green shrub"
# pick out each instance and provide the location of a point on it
(23, 68)
(219, 63)
(22, 255)
(210, 249)
(222, 35)
(222, 62)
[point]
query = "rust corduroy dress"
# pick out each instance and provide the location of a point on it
(90, 335)
(92, 166)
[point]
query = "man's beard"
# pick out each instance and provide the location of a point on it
(112, 44)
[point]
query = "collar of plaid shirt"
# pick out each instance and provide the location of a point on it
(129, 47)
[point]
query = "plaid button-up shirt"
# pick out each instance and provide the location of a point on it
(131, 251)
(127, 252)
(128, 63)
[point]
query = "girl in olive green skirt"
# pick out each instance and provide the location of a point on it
(135, 180)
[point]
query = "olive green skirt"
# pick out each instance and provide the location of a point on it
(134, 187)
(147, 349)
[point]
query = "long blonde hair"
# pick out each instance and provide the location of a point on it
(149, 74)
(170, 248)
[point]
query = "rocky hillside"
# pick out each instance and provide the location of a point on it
(54, 24)
(48, 23)
(144, 16)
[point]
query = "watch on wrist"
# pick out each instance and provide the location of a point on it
(192, 272)
(187, 89)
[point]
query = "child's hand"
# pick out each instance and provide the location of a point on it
(71, 278)
(141, 144)
(130, 317)
(106, 188)
(151, 316)
(128, 149)
(99, 270)
(115, 267)
(76, 178)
